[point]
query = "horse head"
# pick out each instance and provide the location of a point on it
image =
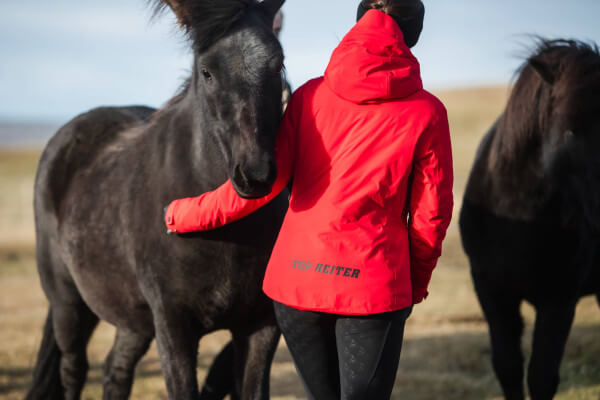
(236, 83)
(568, 119)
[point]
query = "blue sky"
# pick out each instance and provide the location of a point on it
(61, 57)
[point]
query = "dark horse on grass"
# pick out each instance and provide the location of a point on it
(102, 248)
(530, 220)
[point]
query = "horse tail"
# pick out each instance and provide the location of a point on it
(46, 375)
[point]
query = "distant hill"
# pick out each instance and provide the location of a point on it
(25, 135)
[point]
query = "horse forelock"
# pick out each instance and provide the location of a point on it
(205, 21)
(577, 89)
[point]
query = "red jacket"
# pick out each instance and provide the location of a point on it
(369, 152)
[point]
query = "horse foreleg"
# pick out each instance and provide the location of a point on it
(220, 380)
(254, 354)
(120, 364)
(506, 328)
(552, 326)
(177, 342)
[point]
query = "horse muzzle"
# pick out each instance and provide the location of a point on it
(254, 182)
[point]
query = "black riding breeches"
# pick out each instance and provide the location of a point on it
(344, 357)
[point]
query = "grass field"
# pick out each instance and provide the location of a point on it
(446, 353)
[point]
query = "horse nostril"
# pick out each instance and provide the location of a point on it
(255, 181)
(271, 172)
(238, 175)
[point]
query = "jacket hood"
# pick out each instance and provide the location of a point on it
(372, 63)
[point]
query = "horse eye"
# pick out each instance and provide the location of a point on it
(206, 74)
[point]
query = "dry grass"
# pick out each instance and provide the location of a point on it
(17, 172)
(446, 351)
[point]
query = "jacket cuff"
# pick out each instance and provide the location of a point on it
(420, 278)
(419, 295)
(169, 217)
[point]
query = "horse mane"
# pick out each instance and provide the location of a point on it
(177, 98)
(569, 83)
(205, 21)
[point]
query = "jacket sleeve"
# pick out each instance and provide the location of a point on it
(223, 205)
(431, 202)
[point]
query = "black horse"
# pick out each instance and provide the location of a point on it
(530, 220)
(102, 248)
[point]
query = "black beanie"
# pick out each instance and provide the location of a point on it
(411, 24)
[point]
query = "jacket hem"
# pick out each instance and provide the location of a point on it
(342, 311)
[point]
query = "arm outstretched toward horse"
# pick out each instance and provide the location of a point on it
(223, 205)
(431, 203)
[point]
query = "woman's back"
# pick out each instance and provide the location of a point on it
(354, 136)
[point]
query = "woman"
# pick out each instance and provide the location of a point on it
(369, 153)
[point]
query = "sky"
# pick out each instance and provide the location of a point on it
(61, 57)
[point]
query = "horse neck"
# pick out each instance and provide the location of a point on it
(191, 158)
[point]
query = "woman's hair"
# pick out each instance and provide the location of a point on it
(408, 14)
(391, 7)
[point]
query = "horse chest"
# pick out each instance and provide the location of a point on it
(525, 257)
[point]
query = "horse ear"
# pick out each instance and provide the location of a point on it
(543, 70)
(178, 7)
(272, 6)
